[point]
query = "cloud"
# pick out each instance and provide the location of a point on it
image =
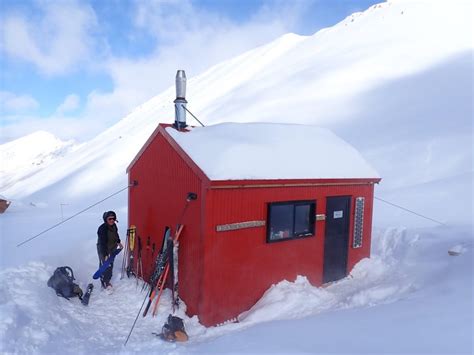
(10, 102)
(70, 103)
(185, 37)
(18, 118)
(56, 38)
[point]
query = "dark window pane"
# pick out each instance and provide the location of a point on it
(302, 219)
(281, 217)
(290, 220)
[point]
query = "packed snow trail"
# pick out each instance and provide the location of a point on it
(406, 266)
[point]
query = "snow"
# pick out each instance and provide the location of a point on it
(395, 82)
(18, 163)
(396, 301)
(239, 151)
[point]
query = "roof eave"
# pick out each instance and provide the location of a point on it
(260, 183)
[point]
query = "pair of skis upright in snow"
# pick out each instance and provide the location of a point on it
(166, 265)
(128, 261)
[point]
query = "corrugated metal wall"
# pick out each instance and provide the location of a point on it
(164, 180)
(240, 265)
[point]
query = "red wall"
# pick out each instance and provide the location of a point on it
(239, 266)
(164, 180)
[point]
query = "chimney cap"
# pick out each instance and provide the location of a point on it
(180, 84)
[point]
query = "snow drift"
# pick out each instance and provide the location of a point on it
(408, 283)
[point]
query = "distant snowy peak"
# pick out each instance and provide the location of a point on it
(337, 78)
(35, 137)
(25, 156)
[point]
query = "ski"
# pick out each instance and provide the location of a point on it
(175, 284)
(160, 264)
(139, 260)
(131, 247)
(86, 296)
(161, 288)
(169, 264)
(106, 264)
(124, 257)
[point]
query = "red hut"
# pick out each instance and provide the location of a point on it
(4, 204)
(273, 201)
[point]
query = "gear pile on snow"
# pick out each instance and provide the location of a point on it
(173, 330)
(62, 282)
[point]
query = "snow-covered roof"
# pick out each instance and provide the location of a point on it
(267, 151)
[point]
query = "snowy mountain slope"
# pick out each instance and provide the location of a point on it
(26, 156)
(320, 79)
(395, 82)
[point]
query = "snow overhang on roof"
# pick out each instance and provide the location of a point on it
(268, 151)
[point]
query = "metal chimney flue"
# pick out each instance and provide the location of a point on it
(180, 102)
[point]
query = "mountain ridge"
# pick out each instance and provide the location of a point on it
(20, 161)
(315, 80)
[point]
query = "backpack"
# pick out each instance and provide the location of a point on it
(62, 283)
(173, 330)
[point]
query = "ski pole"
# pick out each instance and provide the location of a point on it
(125, 253)
(159, 285)
(155, 307)
(131, 240)
(133, 326)
(139, 258)
(140, 269)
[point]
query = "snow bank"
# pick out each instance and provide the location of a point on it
(373, 281)
(407, 267)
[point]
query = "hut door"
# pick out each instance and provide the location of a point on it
(336, 239)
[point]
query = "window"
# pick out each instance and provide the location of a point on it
(290, 220)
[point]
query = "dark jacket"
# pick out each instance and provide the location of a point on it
(107, 238)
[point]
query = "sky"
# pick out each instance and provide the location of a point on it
(74, 68)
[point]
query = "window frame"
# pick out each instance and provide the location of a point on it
(293, 236)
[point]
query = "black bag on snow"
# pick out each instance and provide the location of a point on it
(173, 330)
(62, 282)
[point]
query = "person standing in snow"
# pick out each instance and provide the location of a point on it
(107, 241)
